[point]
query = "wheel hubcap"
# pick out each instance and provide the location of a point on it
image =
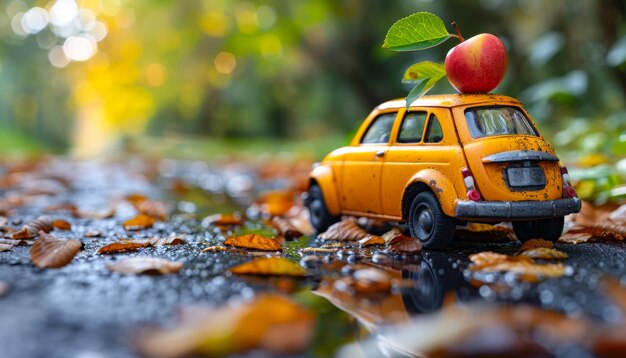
(425, 221)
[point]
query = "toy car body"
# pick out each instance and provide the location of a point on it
(462, 157)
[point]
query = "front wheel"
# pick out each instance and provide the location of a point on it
(549, 229)
(319, 216)
(429, 224)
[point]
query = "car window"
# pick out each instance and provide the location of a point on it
(380, 129)
(491, 121)
(412, 127)
(434, 133)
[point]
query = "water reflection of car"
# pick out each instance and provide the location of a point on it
(472, 157)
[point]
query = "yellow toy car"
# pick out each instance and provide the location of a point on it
(461, 157)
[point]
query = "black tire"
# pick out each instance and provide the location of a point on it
(319, 216)
(429, 224)
(549, 229)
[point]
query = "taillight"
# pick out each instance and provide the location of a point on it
(568, 191)
(468, 180)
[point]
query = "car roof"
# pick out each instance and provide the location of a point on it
(452, 100)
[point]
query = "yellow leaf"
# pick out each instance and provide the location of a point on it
(371, 240)
(269, 266)
(254, 241)
(139, 222)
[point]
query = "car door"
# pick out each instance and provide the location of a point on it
(362, 166)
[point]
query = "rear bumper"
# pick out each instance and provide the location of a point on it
(516, 209)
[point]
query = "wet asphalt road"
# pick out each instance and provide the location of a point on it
(83, 310)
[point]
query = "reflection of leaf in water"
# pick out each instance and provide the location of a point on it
(269, 266)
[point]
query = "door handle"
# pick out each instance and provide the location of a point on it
(380, 153)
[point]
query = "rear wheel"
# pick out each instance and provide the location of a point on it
(549, 229)
(319, 216)
(428, 223)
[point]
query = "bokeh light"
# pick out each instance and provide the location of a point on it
(225, 62)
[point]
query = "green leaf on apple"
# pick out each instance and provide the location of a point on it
(424, 75)
(416, 32)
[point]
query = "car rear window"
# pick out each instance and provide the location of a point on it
(501, 120)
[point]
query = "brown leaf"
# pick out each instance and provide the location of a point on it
(5, 247)
(595, 233)
(254, 241)
(618, 215)
(544, 253)
(535, 243)
(269, 266)
(345, 230)
(285, 228)
(319, 250)
(153, 208)
(365, 281)
(17, 242)
(4, 288)
(136, 198)
(404, 244)
(481, 231)
(32, 229)
(175, 240)
(236, 328)
(214, 249)
(145, 265)
(139, 222)
(392, 233)
(223, 220)
(371, 240)
(51, 252)
(276, 202)
(522, 265)
(122, 246)
(62, 225)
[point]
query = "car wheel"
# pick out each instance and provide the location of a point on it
(319, 216)
(549, 229)
(429, 224)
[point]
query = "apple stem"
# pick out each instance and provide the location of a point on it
(456, 28)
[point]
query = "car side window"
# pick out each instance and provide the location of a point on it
(380, 129)
(412, 127)
(434, 133)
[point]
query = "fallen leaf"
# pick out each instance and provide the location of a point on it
(319, 250)
(345, 230)
(371, 240)
(87, 214)
(51, 252)
(214, 248)
(139, 222)
(269, 266)
(535, 243)
(19, 242)
(136, 198)
(32, 229)
(618, 215)
(392, 233)
(522, 265)
(404, 244)
(366, 281)
(276, 202)
(481, 231)
(5, 247)
(93, 233)
(544, 253)
(254, 241)
(145, 265)
(223, 220)
(595, 233)
(122, 246)
(153, 208)
(285, 228)
(62, 225)
(175, 240)
(236, 328)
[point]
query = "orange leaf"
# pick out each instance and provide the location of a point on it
(345, 230)
(365, 281)
(62, 225)
(522, 265)
(404, 244)
(145, 265)
(223, 220)
(254, 241)
(51, 252)
(32, 229)
(269, 266)
(136, 198)
(535, 243)
(277, 202)
(371, 240)
(152, 208)
(139, 222)
(122, 246)
(544, 253)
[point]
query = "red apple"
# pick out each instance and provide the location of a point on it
(476, 65)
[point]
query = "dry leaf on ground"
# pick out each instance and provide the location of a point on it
(223, 220)
(139, 222)
(345, 230)
(596, 233)
(522, 265)
(122, 246)
(371, 240)
(535, 243)
(481, 231)
(392, 233)
(97, 215)
(618, 215)
(269, 266)
(401, 244)
(62, 225)
(270, 322)
(32, 229)
(285, 228)
(51, 252)
(5, 247)
(319, 250)
(254, 241)
(145, 265)
(153, 208)
(216, 248)
(276, 202)
(544, 253)
(175, 240)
